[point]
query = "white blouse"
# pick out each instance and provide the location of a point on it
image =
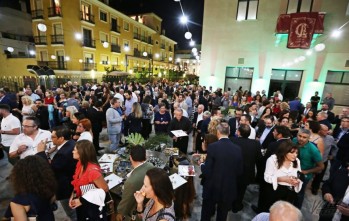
(272, 172)
(86, 135)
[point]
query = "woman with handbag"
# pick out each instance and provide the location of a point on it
(281, 174)
(35, 185)
(88, 181)
(158, 188)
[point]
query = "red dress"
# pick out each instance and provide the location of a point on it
(91, 173)
(48, 100)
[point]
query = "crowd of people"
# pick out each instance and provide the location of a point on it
(239, 137)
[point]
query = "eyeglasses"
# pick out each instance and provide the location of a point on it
(26, 126)
(346, 121)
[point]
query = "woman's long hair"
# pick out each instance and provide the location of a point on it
(33, 175)
(87, 153)
(162, 186)
(137, 110)
(285, 148)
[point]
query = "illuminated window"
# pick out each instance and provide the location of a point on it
(247, 10)
(295, 6)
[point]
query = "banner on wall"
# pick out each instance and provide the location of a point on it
(300, 28)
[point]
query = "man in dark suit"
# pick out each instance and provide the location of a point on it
(251, 155)
(234, 122)
(338, 121)
(265, 132)
(221, 170)
(343, 140)
(62, 164)
(96, 116)
(4, 99)
(42, 114)
(203, 99)
(330, 114)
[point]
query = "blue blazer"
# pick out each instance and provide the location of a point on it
(63, 166)
(222, 169)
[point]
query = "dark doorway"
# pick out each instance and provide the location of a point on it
(289, 89)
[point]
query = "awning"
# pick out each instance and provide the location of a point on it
(40, 70)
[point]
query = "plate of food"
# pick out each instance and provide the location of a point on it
(172, 151)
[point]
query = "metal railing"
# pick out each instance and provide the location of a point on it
(87, 42)
(87, 66)
(40, 40)
(115, 48)
(37, 14)
(87, 17)
(56, 65)
(54, 12)
(57, 39)
(115, 28)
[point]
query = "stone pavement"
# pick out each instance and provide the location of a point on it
(311, 206)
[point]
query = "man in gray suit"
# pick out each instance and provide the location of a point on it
(114, 122)
(133, 183)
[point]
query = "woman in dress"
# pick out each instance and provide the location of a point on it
(29, 108)
(88, 175)
(148, 112)
(133, 122)
(84, 128)
(162, 119)
(281, 173)
(158, 188)
(34, 185)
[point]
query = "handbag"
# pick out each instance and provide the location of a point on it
(108, 201)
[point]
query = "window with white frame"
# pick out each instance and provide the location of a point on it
(103, 16)
(337, 83)
(294, 6)
(103, 36)
(247, 10)
(104, 59)
(126, 26)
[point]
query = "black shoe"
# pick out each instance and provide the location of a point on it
(255, 209)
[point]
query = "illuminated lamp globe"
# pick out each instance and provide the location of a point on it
(78, 36)
(10, 49)
(53, 57)
(194, 50)
(80, 60)
(170, 58)
(320, 47)
(105, 44)
(188, 35)
(145, 54)
(191, 43)
(31, 52)
(42, 27)
(67, 58)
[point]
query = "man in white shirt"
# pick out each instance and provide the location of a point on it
(32, 95)
(246, 119)
(10, 128)
(26, 143)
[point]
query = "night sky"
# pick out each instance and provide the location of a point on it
(169, 11)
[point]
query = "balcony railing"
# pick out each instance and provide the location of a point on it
(169, 48)
(87, 42)
(115, 28)
(57, 39)
(86, 66)
(162, 46)
(149, 40)
(54, 12)
(115, 67)
(115, 48)
(87, 17)
(56, 65)
(38, 14)
(136, 36)
(137, 53)
(40, 40)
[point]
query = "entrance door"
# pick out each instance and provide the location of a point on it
(289, 89)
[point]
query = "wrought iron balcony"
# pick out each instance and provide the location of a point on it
(115, 48)
(40, 40)
(115, 28)
(57, 39)
(54, 12)
(87, 17)
(87, 66)
(37, 14)
(137, 53)
(136, 36)
(87, 42)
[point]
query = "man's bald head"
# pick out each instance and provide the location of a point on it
(284, 211)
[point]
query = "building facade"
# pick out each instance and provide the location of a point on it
(17, 45)
(242, 47)
(83, 40)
